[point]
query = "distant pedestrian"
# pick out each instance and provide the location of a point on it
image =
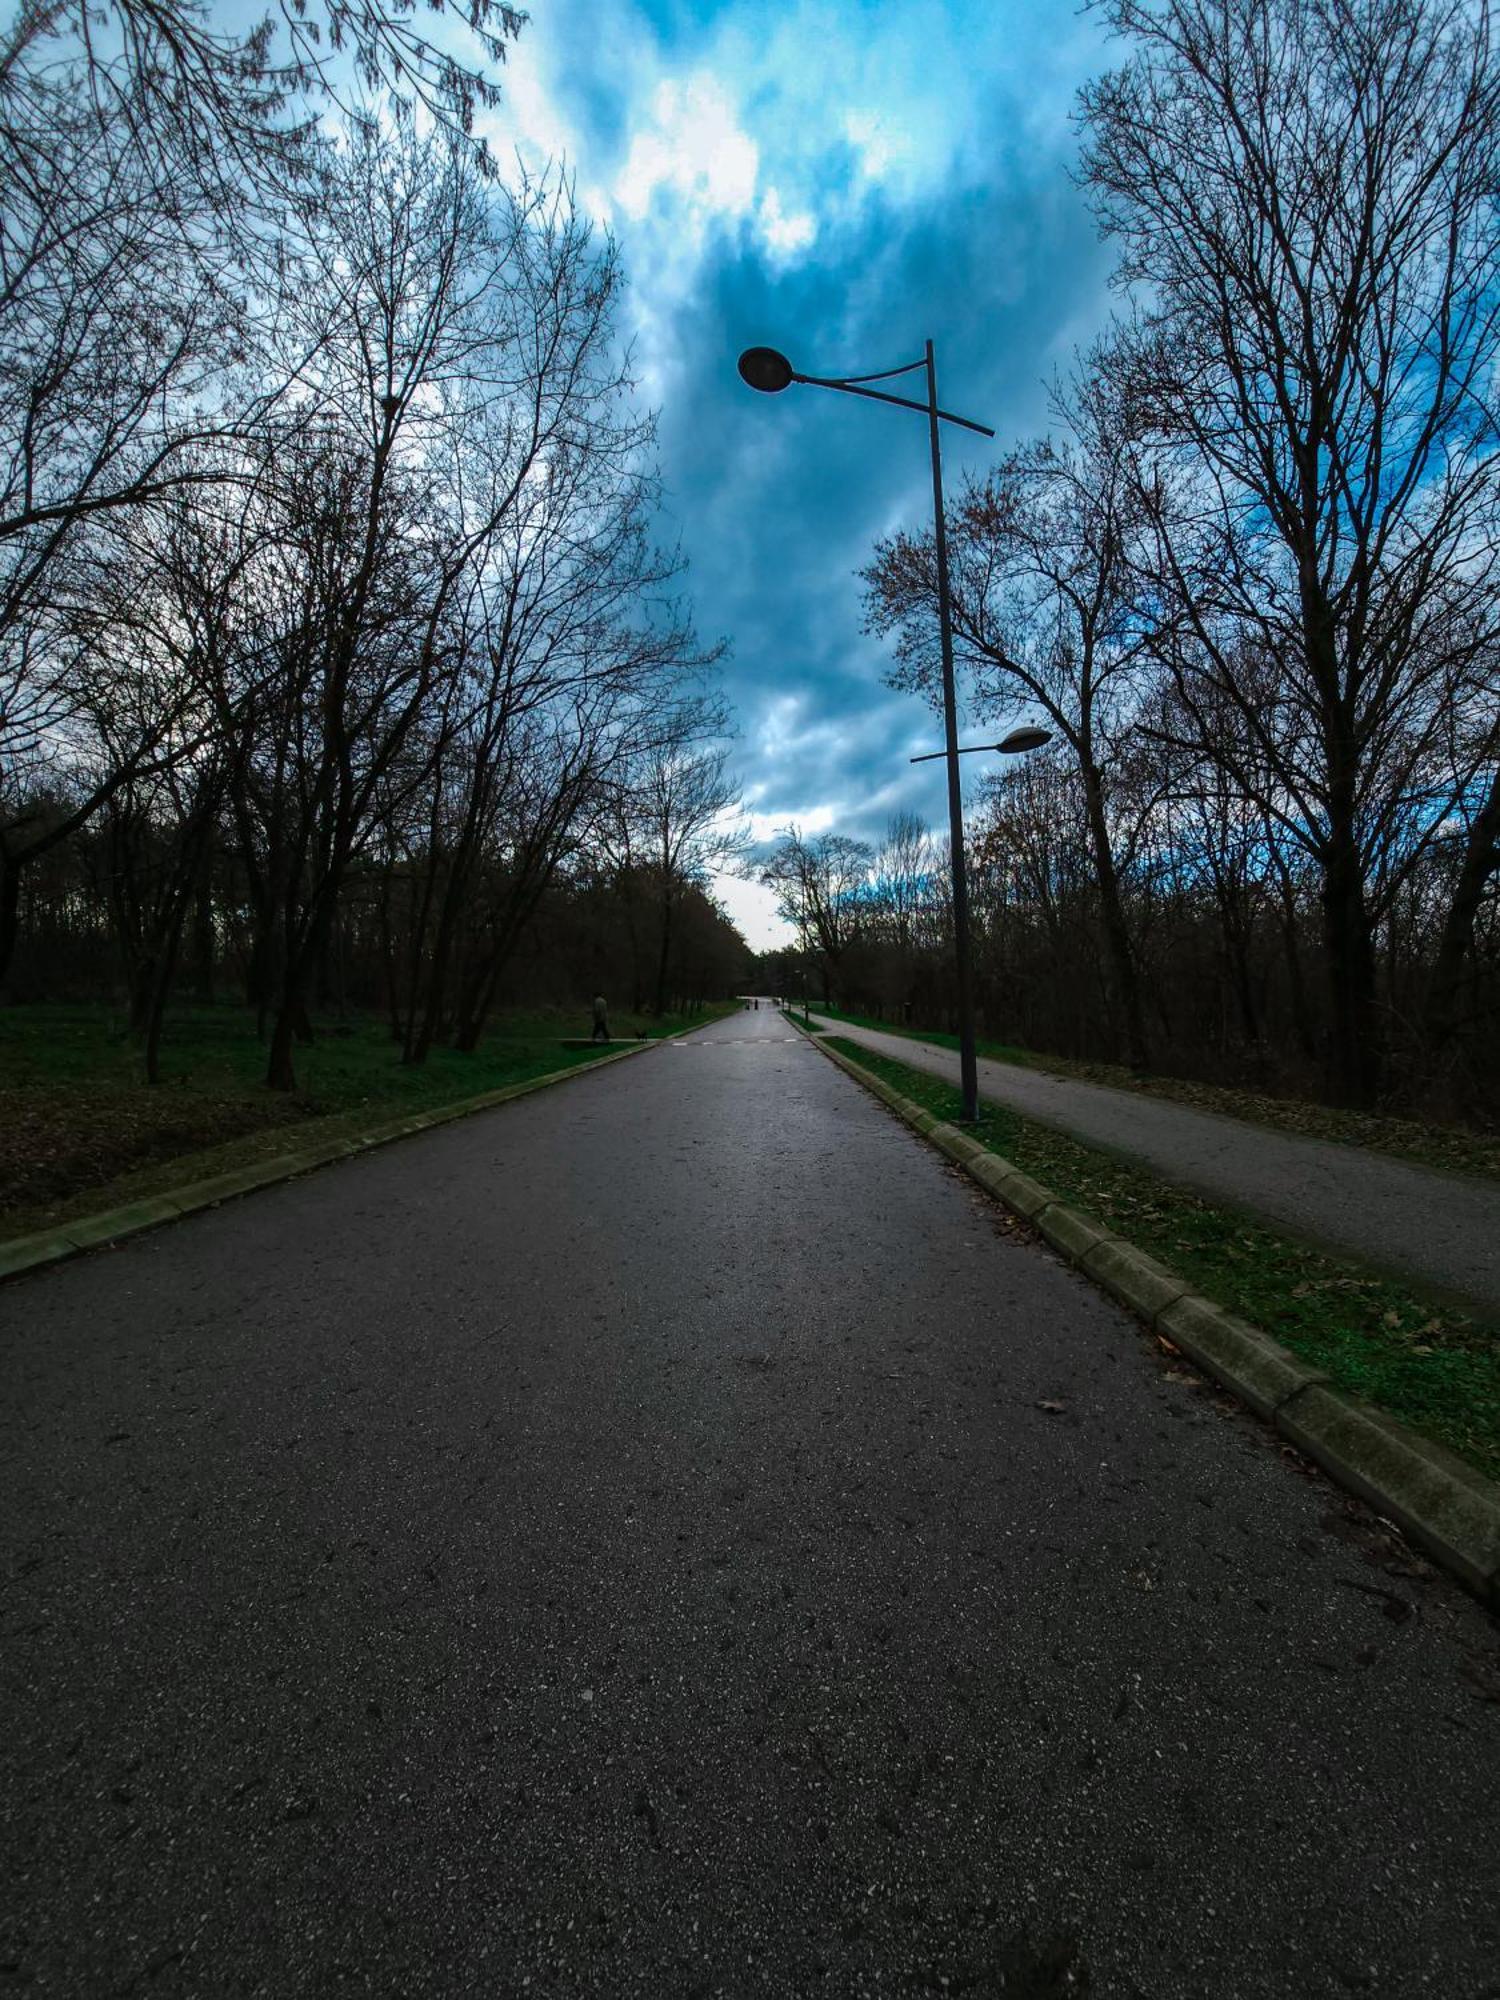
(601, 1019)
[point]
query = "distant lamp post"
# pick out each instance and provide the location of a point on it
(765, 369)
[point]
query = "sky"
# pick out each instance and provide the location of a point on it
(841, 181)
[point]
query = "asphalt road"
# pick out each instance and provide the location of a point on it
(671, 1536)
(1442, 1229)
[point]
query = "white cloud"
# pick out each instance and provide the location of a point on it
(810, 820)
(780, 728)
(531, 122)
(882, 144)
(692, 146)
(785, 234)
(684, 138)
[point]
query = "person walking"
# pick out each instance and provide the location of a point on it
(601, 1019)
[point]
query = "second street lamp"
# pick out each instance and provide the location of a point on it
(769, 371)
(1028, 737)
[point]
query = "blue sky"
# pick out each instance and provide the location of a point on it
(840, 181)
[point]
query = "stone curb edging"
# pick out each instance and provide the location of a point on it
(1447, 1508)
(70, 1239)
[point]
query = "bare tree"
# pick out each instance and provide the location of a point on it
(681, 802)
(236, 100)
(566, 629)
(821, 888)
(108, 318)
(415, 344)
(1305, 194)
(161, 173)
(328, 601)
(1046, 611)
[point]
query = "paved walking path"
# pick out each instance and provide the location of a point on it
(1443, 1229)
(670, 1536)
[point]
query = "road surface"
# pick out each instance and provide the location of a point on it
(671, 1536)
(1442, 1229)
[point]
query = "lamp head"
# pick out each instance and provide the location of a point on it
(764, 369)
(1027, 737)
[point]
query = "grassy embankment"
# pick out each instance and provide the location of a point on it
(81, 1133)
(1433, 1367)
(1442, 1146)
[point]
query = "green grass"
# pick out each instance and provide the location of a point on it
(80, 1132)
(1446, 1147)
(1434, 1367)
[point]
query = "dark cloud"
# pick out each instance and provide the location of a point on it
(779, 501)
(927, 153)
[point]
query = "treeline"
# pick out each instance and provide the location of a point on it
(650, 944)
(1249, 582)
(335, 653)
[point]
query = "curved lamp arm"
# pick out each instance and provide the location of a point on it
(765, 369)
(881, 396)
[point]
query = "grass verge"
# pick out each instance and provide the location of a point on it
(1442, 1146)
(79, 1133)
(1434, 1368)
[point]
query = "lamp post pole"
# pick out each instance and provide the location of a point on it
(769, 371)
(968, 1063)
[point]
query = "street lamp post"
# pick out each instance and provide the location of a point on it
(765, 369)
(968, 1059)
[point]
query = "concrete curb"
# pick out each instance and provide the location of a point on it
(1447, 1508)
(71, 1239)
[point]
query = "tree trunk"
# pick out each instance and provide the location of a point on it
(414, 1043)
(161, 987)
(1354, 1047)
(263, 982)
(664, 954)
(388, 962)
(280, 1074)
(300, 958)
(1236, 934)
(632, 933)
(1481, 858)
(203, 940)
(416, 1050)
(1296, 982)
(1116, 935)
(142, 991)
(10, 908)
